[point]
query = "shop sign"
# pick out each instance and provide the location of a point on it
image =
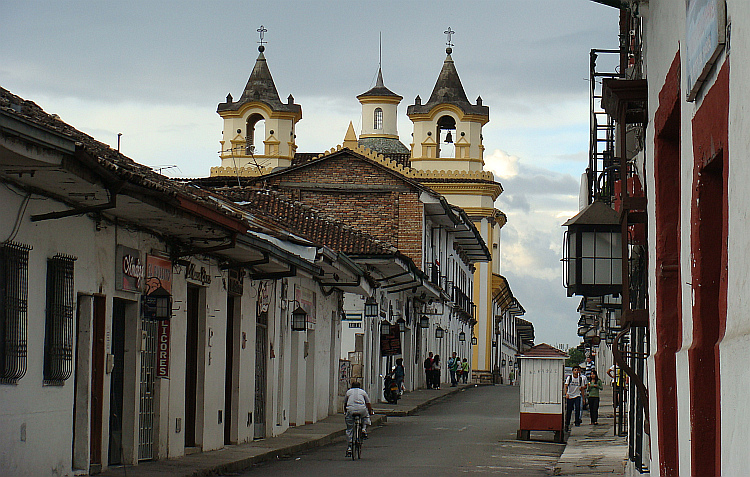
(162, 353)
(234, 284)
(193, 273)
(390, 344)
(129, 269)
(705, 36)
(158, 274)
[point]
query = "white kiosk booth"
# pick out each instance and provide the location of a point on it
(541, 376)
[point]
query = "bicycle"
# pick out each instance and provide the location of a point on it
(357, 438)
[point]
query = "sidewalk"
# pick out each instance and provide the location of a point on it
(594, 451)
(296, 439)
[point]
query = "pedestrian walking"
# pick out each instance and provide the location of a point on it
(428, 370)
(465, 370)
(399, 373)
(593, 387)
(575, 384)
(436, 372)
(453, 364)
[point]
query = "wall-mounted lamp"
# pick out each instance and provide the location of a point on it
(371, 308)
(299, 318)
(439, 332)
(474, 341)
(424, 322)
(385, 328)
(462, 336)
(157, 305)
(401, 325)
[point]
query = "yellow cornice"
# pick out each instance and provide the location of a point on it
(446, 159)
(449, 107)
(387, 136)
(269, 113)
(381, 99)
(240, 171)
(453, 188)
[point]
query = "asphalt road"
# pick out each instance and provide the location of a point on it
(470, 432)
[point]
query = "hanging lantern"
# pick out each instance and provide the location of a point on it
(439, 332)
(371, 308)
(299, 319)
(401, 325)
(593, 252)
(462, 336)
(504, 363)
(424, 322)
(157, 305)
(385, 328)
(474, 341)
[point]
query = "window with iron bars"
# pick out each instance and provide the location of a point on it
(58, 341)
(14, 295)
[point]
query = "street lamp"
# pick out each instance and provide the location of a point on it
(592, 252)
(385, 328)
(371, 308)
(439, 332)
(157, 305)
(401, 325)
(299, 318)
(474, 341)
(462, 336)
(424, 322)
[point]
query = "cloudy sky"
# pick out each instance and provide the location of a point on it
(155, 71)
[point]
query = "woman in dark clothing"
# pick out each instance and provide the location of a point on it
(436, 372)
(398, 374)
(593, 388)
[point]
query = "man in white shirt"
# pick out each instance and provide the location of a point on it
(574, 386)
(356, 403)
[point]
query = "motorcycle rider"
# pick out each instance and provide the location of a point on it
(398, 374)
(356, 403)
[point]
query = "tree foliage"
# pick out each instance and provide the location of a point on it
(576, 356)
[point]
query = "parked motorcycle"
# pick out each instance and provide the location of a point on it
(390, 390)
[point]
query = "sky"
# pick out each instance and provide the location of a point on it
(156, 70)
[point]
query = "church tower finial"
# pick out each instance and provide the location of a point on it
(449, 45)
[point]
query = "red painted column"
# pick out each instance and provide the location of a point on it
(668, 326)
(709, 229)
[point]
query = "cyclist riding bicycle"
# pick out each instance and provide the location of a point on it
(356, 403)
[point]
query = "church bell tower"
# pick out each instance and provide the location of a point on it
(258, 128)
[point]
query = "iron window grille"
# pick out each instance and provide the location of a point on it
(14, 294)
(58, 342)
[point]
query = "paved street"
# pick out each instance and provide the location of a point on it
(469, 432)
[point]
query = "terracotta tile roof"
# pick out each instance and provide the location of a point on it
(544, 350)
(306, 221)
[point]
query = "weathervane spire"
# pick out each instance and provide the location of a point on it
(262, 32)
(449, 32)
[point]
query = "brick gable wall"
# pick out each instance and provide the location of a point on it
(362, 195)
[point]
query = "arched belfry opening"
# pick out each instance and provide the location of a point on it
(253, 123)
(446, 134)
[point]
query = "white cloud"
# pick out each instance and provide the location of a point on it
(502, 164)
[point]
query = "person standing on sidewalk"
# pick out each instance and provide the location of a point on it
(428, 370)
(436, 372)
(453, 364)
(465, 370)
(593, 387)
(575, 384)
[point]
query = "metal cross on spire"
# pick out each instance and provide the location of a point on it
(449, 32)
(262, 31)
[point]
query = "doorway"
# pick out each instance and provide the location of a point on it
(191, 365)
(230, 378)
(116, 381)
(261, 363)
(146, 411)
